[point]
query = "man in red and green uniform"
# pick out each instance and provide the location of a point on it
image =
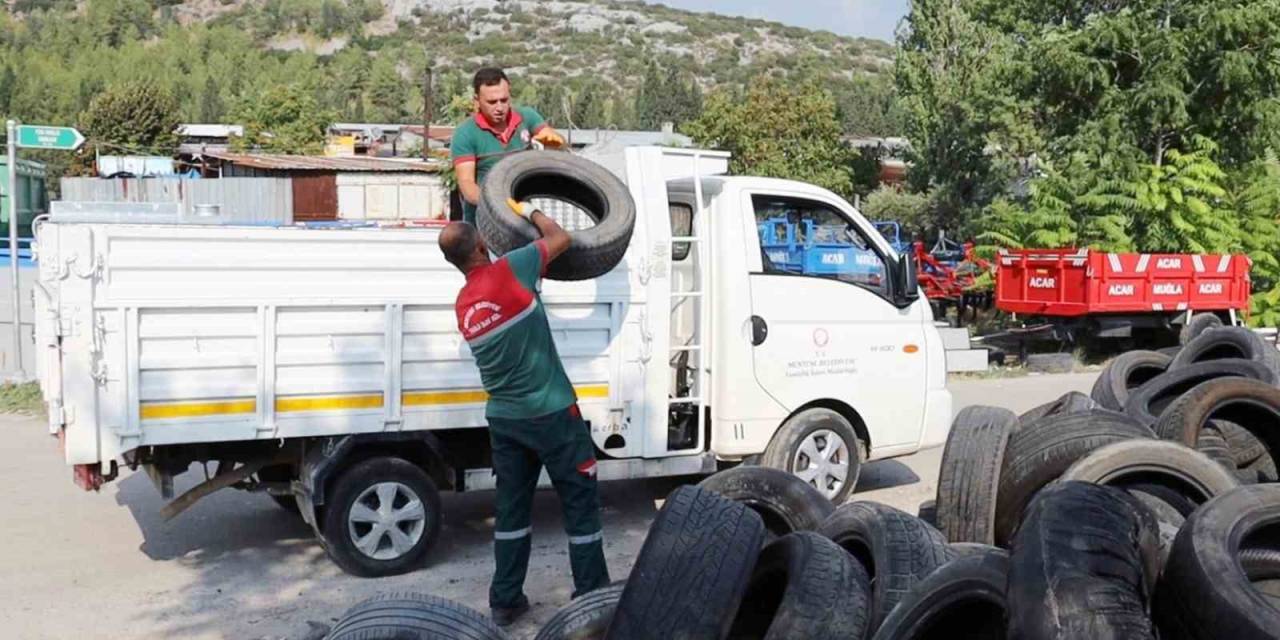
(497, 129)
(532, 408)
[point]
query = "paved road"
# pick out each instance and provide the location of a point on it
(75, 564)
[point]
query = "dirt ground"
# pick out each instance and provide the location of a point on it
(76, 564)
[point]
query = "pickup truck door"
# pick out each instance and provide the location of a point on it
(823, 325)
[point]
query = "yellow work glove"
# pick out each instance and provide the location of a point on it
(549, 138)
(522, 209)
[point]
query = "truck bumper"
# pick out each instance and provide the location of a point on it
(937, 418)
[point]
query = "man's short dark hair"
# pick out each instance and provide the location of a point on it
(458, 243)
(488, 77)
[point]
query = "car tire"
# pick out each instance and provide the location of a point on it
(1168, 518)
(1249, 403)
(805, 586)
(1082, 566)
(970, 473)
(1245, 447)
(1228, 343)
(1148, 402)
(413, 616)
(692, 571)
(1204, 591)
(586, 618)
(1212, 443)
(544, 174)
(785, 502)
(354, 510)
(818, 429)
(1198, 324)
(1124, 373)
(897, 549)
(1192, 474)
(963, 598)
(1041, 451)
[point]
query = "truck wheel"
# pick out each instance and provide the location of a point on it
(383, 517)
(821, 447)
(784, 502)
(1187, 471)
(413, 616)
(1198, 324)
(584, 184)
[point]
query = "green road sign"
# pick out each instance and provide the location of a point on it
(34, 136)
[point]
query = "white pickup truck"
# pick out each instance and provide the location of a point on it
(313, 364)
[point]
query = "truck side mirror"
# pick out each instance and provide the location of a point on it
(908, 289)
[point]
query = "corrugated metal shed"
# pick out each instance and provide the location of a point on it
(281, 162)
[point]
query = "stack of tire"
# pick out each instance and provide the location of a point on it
(1145, 509)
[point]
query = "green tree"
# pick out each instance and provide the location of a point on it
(911, 210)
(211, 101)
(136, 116)
(387, 93)
(666, 97)
(778, 129)
(283, 119)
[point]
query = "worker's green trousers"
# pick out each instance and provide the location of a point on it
(520, 449)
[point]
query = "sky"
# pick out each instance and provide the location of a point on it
(865, 18)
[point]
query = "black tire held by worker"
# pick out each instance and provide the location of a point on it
(1124, 373)
(1148, 402)
(1198, 324)
(692, 571)
(586, 618)
(805, 586)
(1204, 592)
(413, 616)
(1083, 564)
(559, 176)
(970, 473)
(785, 502)
(1228, 343)
(1040, 451)
(963, 599)
(897, 549)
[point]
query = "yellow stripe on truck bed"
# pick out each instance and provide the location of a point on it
(174, 410)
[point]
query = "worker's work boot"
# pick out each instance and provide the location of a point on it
(504, 616)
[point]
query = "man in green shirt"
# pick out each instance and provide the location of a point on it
(532, 408)
(497, 129)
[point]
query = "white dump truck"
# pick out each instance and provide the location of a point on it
(750, 319)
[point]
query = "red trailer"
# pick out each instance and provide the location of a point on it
(1111, 294)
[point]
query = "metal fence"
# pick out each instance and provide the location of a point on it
(242, 200)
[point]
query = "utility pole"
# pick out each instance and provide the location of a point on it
(11, 128)
(428, 110)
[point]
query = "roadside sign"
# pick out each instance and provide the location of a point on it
(31, 136)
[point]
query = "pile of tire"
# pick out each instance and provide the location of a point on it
(1147, 508)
